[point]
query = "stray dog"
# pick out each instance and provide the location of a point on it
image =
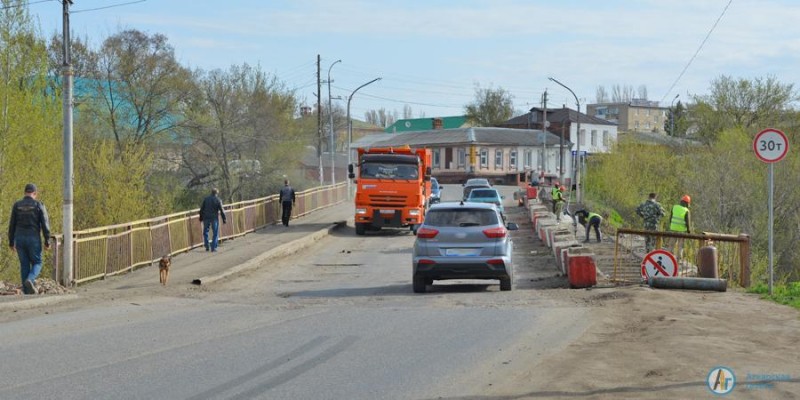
(163, 269)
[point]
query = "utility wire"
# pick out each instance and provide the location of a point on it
(697, 52)
(8, 7)
(111, 6)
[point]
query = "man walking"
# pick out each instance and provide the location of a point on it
(287, 200)
(210, 211)
(651, 211)
(28, 223)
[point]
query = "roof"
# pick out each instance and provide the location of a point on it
(421, 124)
(559, 115)
(461, 136)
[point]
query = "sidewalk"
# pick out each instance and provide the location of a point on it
(200, 267)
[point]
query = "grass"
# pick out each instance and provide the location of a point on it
(788, 294)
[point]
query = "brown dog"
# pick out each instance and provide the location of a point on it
(163, 269)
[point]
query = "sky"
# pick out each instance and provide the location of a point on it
(432, 54)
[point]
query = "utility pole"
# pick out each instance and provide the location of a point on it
(577, 171)
(319, 121)
(561, 151)
(544, 131)
(66, 278)
(332, 145)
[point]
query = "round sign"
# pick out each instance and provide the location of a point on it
(659, 263)
(771, 145)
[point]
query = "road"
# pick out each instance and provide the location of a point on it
(338, 321)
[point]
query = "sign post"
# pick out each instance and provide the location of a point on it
(771, 146)
(659, 263)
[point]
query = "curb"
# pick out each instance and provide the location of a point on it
(280, 251)
(36, 302)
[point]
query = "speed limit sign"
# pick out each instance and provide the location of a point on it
(771, 145)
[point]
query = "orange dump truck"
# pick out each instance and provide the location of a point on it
(393, 185)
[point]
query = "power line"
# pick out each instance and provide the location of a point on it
(697, 52)
(111, 6)
(8, 7)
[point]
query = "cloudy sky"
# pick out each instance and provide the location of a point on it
(431, 54)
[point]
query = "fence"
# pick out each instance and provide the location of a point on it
(631, 248)
(115, 249)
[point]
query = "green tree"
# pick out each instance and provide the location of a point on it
(30, 121)
(490, 108)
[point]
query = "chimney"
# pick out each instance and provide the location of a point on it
(437, 123)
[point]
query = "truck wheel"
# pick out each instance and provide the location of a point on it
(419, 284)
(360, 228)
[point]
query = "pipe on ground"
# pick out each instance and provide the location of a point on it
(711, 284)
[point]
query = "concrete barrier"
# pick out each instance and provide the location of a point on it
(558, 232)
(581, 269)
(543, 223)
(560, 249)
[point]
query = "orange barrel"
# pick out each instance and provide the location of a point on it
(708, 262)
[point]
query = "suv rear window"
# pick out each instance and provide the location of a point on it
(483, 193)
(461, 217)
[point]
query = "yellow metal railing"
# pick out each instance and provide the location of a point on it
(115, 249)
(733, 253)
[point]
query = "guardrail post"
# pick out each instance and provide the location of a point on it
(744, 260)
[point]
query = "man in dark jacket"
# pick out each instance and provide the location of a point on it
(209, 214)
(28, 223)
(287, 200)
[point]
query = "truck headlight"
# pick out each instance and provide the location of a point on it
(414, 212)
(361, 210)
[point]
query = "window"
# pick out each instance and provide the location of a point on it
(647, 112)
(647, 126)
(583, 137)
(498, 159)
(594, 137)
(437, 159)
(637, 124)
(462, 157)
(484, 158)
(512, 159)
(605, 138)
(528, 158)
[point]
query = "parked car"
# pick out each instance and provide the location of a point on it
(463, 241)
(487, 195)
(474, 183)
(436, 191)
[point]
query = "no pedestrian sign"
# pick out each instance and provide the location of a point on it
(659, 263)
(771, 145)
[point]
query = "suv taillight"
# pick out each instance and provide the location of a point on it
(495, 233)
(427, 233)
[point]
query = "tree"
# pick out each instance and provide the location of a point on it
(141, 88)
(30, 122)
(490, 108)
(407, 113)
(622, 94)
(742, 103)
(601, 96)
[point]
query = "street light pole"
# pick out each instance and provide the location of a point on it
(332, 145)
(672, 116)
(350, 130)
(578, 190)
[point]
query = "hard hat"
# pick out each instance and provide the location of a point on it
(687, 199)
(556, 183)
(562, 188)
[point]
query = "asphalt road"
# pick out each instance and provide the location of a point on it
(336, 321)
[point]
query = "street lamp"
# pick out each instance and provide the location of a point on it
(578, 147)
(332, 145)
(350, 129)
(672, 116)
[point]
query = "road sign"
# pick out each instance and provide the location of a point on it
(771, 145)
(659, 263)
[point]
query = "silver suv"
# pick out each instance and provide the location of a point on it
(463, 241)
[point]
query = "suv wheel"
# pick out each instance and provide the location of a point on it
(505, 284)
(419, 284)
(360, 228)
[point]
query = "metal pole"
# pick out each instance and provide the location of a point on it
(66, 279)
(771, 189)
(579, 195)
(332, 145)
(350, 130)
(672, 117)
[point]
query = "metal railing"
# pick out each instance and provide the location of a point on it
(631, 247)
(115, 249)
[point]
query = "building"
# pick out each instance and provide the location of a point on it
(422, 124)
(597, 135)
(503, 155)
(635, 116)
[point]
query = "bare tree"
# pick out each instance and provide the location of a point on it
(407, 113)
(601, 96)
